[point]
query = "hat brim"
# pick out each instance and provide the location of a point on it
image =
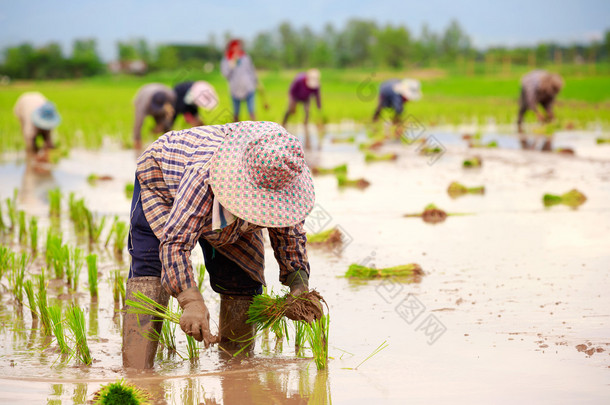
(238, 193)
(45, 123)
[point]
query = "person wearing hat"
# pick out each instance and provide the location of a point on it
(394, 93)
(38, 117)
(189, 96)
(239, 70)
(219, 186)
(304, 86)
(156, 100)
(538, 87)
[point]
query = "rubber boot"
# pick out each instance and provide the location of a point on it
(139, 344)
(235, 333)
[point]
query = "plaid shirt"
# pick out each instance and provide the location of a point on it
(177, 201)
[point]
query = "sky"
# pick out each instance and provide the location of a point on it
(509, 23)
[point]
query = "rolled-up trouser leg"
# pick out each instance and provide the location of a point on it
(140, 332)
(235, 331)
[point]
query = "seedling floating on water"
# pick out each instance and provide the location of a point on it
(456, 189)
(431, 214)
(374, 157)
(413, 270)
(319, 171)
(572, 198)
(121, 392)
(93, 178)
(343, 181)
(330, 237)
(600, 141)
(473, 162)
(75, 318)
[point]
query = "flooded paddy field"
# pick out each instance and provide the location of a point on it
(513, 305)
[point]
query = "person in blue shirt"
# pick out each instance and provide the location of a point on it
(394, 93)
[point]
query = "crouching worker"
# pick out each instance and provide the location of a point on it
(218, 186)
(158, 101)
(394, 94)
(38, 117)
(189, 96)
(538, 87)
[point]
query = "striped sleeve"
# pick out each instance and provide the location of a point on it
(289, 248)
(182, 230)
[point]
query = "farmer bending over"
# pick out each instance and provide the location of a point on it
(394, 94)
(38, 117)
(189, 96)
(158, 101)
(218, 186)
(538, 87)
(303, 87)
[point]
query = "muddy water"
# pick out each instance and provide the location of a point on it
(510, 292)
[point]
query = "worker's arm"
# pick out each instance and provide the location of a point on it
(289, 248)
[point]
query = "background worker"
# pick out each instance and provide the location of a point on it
(37, 117)
(239, 70)
(303, 87)
(189, 96)
(394, 93)
(218, 186)
(156, 100)
(538, 87)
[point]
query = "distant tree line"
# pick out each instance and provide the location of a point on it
(360, 43)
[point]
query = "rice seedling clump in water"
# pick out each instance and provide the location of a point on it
(75, 318)
(121, 392)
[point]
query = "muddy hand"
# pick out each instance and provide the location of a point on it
(304, 307)
(195, 319)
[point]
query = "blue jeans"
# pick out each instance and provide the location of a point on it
(226, 277)
(249, 102)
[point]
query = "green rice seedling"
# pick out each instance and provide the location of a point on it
(11, 208)
(55, 202)
(121, 229)
(121, 392)
(2, 224)
(75, 318)
(572, 198)
(192, 348)
(456, 189)
(92, 179)
(129, 191)
(473, 162)
(600, 141)
(58, 328)
(327, 237)
(430, 150)
(28, 287)
(379, 348)
(78, 213)
(431, 214)
(317, 336)
(364, 272)
(300, 336)
(200, 276)
(43, 306)
(6, 259)
(267, 310)
(111, 232)
(320, 171)
(94, 228)
(17, 277)
(92, 273)
(34, 235)
(168, 336)
(77, 257)
(370, 157)
(52, 246)
(343, 181)
(143, 305)
(23, 229)
(118, 286)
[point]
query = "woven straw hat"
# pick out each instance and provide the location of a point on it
(259, 174)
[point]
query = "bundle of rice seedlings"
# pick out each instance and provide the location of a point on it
(430, 150)
(473, 162)
(92, 273)
(121, 229)
(78, 213)
(23, 230)
(55, 202)
(52, 250)
(328, 237)
(192, 348)
(572, 198)
(118, 286)
(317, 336)
(364, 272)
(11, 208)
(94, 227)
(74, 267)
(431, 214)
(375, 157)
(28, 287)
(168, 336)
(17, 277)
(121, 392)
(343, 181)
(6, 259)
(300, 336)
(456, 189)
(58, 328)
(34, 234)
(319, 171)
(43, 306)
(600, 141)
(75, 318)
(143, 305)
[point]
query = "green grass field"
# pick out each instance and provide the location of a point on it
(102, 106)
